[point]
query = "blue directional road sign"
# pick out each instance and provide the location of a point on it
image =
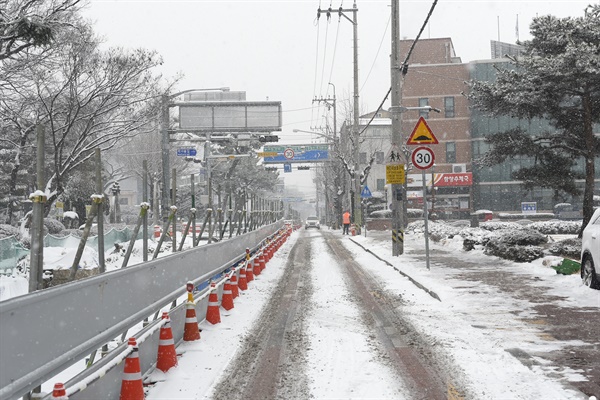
(287, 167)
(366, 193)
(297, 153)
(186, 152)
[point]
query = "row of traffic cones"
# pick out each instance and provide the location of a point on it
(132, 387)
(253, 266)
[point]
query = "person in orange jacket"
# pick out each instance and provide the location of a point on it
(346, 222)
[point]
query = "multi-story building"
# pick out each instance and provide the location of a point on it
(436, 77)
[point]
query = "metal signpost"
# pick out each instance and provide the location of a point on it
(423, 158)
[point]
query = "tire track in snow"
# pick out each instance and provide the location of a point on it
(345, 359)
(379, 309)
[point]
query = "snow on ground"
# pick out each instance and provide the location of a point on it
(204, 361)
(453, 326)
(341, 360)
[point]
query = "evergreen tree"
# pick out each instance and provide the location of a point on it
(556, 78)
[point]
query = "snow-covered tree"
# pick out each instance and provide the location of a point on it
(28, 24)
(84, 97)
(556, 78)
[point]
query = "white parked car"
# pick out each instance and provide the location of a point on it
(312, 222)
(590, 252)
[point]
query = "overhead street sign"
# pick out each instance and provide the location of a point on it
(297, 153)
(422, 134)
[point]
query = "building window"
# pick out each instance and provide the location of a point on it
(423, 102)
(379, 157)
(450, 152)
(362, 158)
(380, 184)
(449, 107)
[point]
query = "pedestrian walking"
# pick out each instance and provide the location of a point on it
(346, 222)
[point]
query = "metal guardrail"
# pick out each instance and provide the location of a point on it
(45, 332)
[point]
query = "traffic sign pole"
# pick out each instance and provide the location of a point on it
(426, 216)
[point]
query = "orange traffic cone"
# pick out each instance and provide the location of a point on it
(167, 355)
(132, 387)
(261, 261)
(227, 298)
(190, 329)
(249, 271)
(212, 313)
(256, 267)
(243, 283)
(59, 392)
(234, 285)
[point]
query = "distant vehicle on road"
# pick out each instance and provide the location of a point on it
(590, 252)
(312, 222)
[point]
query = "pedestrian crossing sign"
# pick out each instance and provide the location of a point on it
(422, 134)
(366, 193)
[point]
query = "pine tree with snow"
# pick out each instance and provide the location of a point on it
(556, 78)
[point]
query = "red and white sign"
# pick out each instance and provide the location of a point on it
(288, 153)
(464, 179)
(423, 158)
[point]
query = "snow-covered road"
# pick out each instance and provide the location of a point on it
(495, 334)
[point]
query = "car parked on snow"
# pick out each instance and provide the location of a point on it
(312, 222)
(590, 252)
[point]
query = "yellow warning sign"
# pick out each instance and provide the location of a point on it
(394, 174)
(422, 134)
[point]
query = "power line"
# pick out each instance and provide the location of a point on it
(376, 55)
(404, 64)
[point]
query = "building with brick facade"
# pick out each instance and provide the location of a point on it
(436, 77)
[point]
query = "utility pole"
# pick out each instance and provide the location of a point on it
(36, 269)
(397, 76)
(145, 200)
(330, 102)
(164, 134)
(100, 191)
(356, 212)
(355, 129)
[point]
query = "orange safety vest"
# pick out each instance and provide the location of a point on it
(346, 217)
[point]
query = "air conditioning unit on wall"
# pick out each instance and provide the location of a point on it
(459, 168)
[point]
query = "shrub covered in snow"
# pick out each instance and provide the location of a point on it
(414, 213)
(381, 214)
(520, 245)
(521, 237)
(496, 225)
(54, 226)
(557, 227)
(526, 216)
(516, 253)
(570, 248)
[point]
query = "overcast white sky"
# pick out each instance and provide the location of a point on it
(278, 50)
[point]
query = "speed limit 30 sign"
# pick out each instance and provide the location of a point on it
(423, 158)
